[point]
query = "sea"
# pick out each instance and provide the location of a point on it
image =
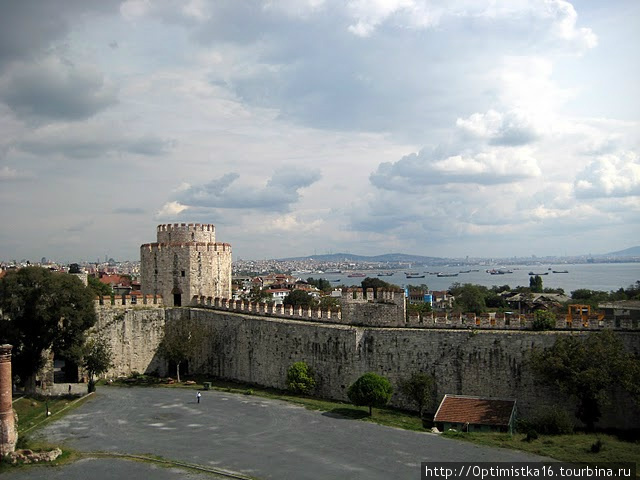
(593, 276)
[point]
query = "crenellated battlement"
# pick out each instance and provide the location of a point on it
(502, 321)
(186, 232)
(197, 246)
(370, 295)
(438, 320)
(128, 301)
(332, 315)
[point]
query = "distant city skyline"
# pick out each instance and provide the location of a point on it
(487, 129)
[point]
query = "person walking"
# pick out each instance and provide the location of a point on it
(198, 395)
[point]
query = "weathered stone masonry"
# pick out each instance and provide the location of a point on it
(258, 348)
(471, 362)
(185, 262)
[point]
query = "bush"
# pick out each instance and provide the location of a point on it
(300, 378)
(370, 390)
(544, 320)
(419, 389)
(531, 435)
(596, 447)
(553, 421)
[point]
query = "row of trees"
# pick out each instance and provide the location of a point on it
(479, 299)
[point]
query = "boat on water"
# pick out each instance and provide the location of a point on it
(499, 271)
(352, 275)
(544, 273)
(560, 271)
(385, 274)
(415, 276)
(442, 274)
(336, 280)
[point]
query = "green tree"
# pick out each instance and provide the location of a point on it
(420, 389)
(298, 298)
(256, 294)
(535, 284)
(321, 284)
(371, 390)
(328, 302)
(589, 370)
(182, 341)
(98, 287)
(589, 297)
(42, 310)
(300, 378)
(97, 359)
(544, 320)
(376, 284)
(469, 298)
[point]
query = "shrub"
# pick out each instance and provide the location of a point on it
(531, 435)
(553, 421)
(544, 320)
(300, 378)
(370, 390)
(596, 447)
(419, 388)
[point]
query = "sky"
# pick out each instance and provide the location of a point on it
(448, 128)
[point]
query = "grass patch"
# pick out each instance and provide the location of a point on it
(32, 415)
(32, 411)
(577, 447)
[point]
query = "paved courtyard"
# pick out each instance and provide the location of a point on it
(259, 438)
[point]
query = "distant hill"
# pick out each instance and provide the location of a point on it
(388, 257)
(628, 252)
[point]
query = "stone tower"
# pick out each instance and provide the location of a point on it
(185, 262)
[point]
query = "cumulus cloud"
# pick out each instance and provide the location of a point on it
(564, 18)
(53, 89)
(557, 19)
(512, 128)
(170, 210)
(491, 166)
(278, 195)
(610, 176)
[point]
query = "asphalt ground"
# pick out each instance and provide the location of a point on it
(256, 437)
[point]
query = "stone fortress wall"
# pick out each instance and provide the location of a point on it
(485, 355)
(486, 362)
(185, 261)
(256, 343)
(387, 308)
